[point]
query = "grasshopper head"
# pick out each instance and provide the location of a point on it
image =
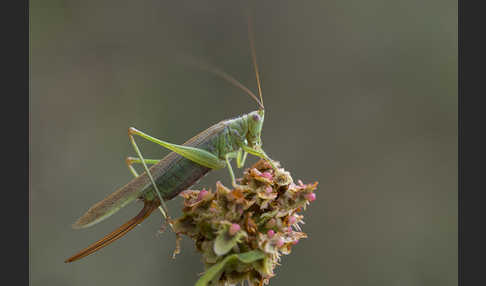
(255, 123)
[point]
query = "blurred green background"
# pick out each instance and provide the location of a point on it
(360, 96)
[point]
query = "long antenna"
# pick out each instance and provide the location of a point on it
(214, 70)
(253, 55)
(232, 81)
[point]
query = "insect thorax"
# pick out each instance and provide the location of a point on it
(241, 130)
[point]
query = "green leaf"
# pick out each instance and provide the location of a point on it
(215, 271)
(225, 242)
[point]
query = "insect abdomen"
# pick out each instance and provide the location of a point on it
(182, 174)
(172, 175)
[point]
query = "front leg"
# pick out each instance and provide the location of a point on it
(259, 153)
(228, 156)
(241, 158)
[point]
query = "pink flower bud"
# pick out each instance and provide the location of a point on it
(280, 242)
(270, 233)
(289, 229)
(268, 190)
(202, 194)
(295, 242)
(267, 175)
(310, 197)
(234, 228)
(292, 220)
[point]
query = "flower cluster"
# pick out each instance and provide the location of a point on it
(242, 232)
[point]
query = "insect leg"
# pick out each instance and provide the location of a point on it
(241, 158)
(228, 156)
(259, 153)
(137, 150)
(130, 161)
(200, 156)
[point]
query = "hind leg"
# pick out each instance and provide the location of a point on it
(132, 160)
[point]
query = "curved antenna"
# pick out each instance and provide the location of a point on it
(253, 56)
(207, 67)
(230, 80)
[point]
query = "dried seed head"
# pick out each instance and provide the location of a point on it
(248, 225)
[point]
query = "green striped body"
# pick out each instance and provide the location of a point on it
(173, 173)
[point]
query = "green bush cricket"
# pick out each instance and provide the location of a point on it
(211, 149)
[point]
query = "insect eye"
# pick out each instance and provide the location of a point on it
(256, 117)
